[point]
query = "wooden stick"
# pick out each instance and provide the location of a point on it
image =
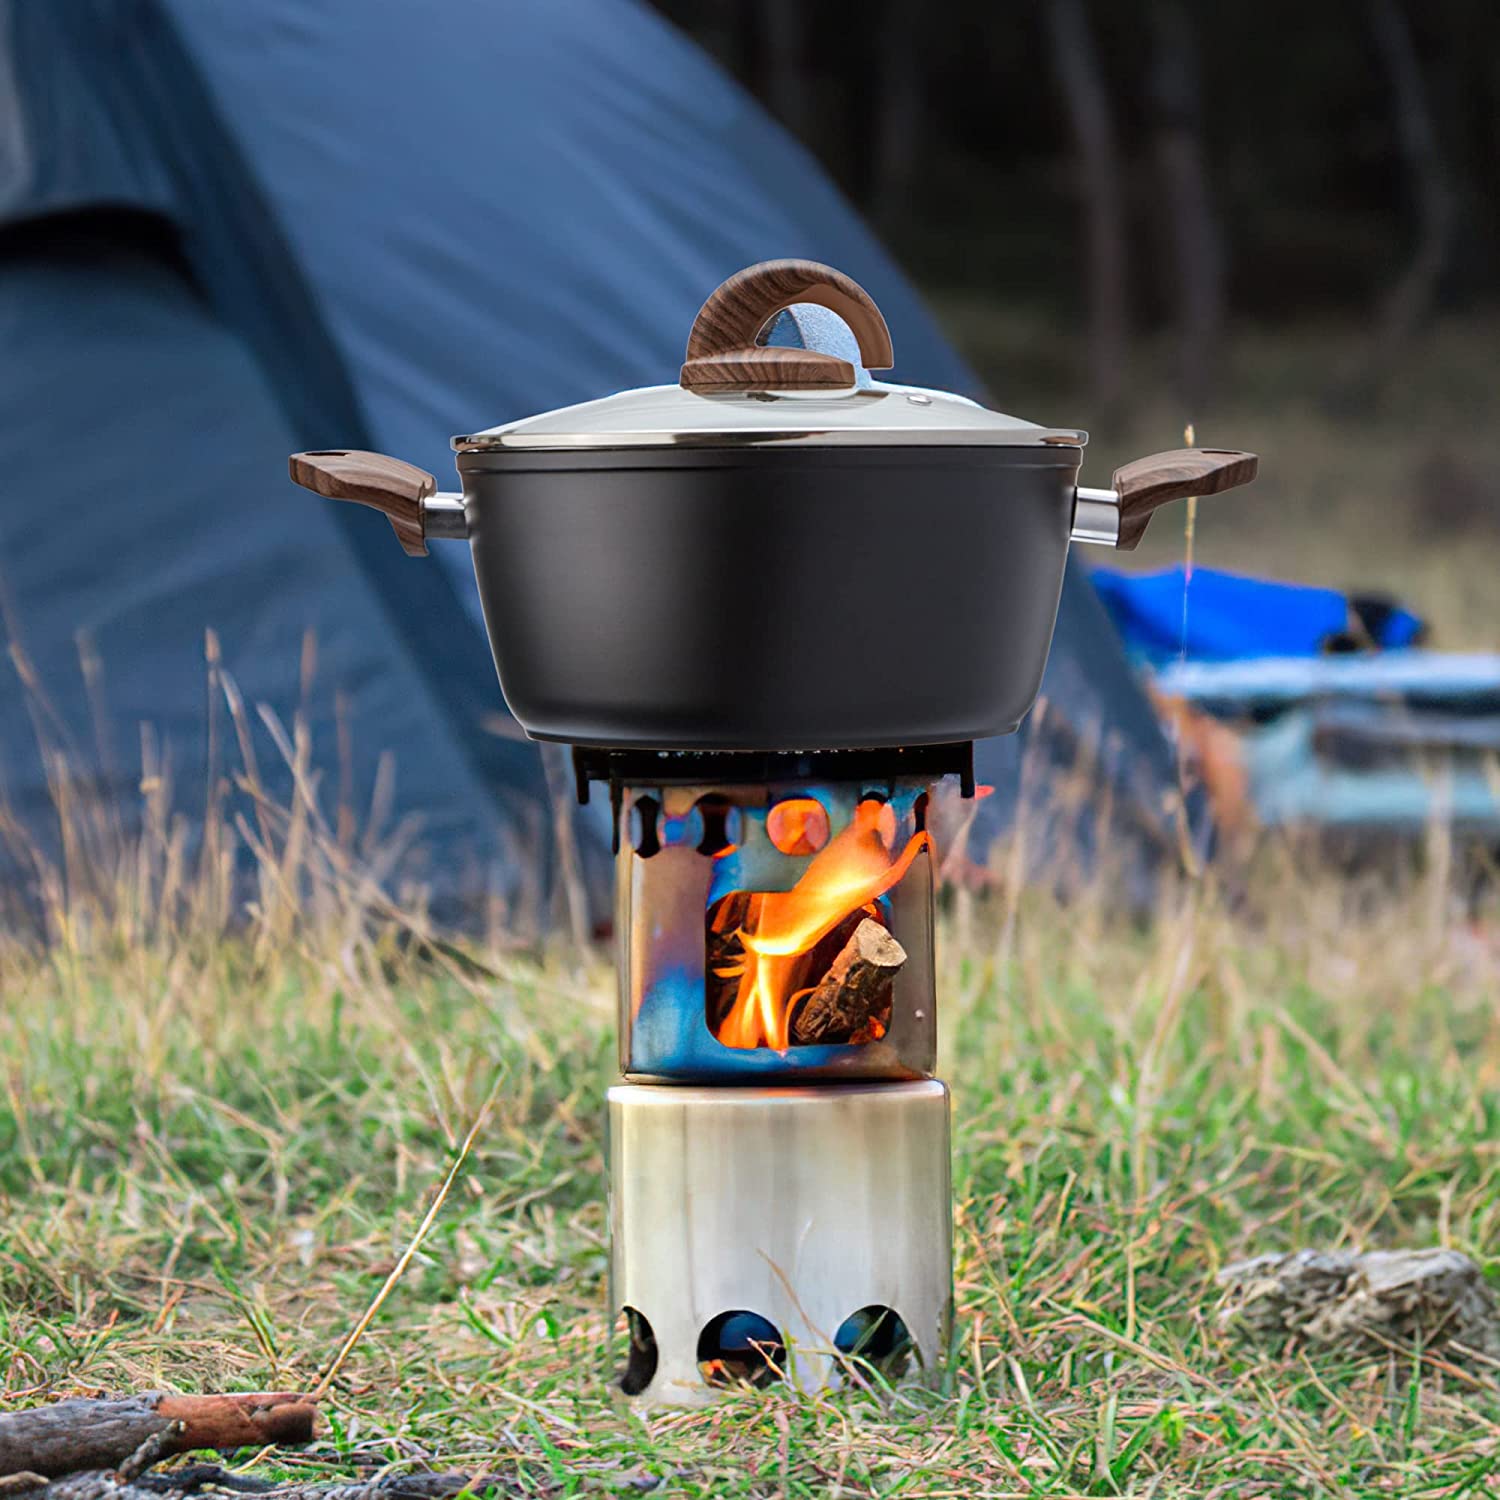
(89, 1433)
(108, 1486)
(856, 990)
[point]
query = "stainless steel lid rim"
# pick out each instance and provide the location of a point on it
(887, 456)
(894, 437)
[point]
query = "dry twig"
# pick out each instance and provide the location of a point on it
(137, 1431)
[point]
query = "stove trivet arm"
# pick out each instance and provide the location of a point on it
(1118, 517)
(407, 495)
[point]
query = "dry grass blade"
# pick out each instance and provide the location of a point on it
(325, 1381)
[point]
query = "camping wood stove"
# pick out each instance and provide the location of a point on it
(689, 579)
(778, 1147)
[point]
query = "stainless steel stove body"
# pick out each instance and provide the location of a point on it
(780, 1201)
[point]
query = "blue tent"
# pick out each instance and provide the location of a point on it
(233, 231)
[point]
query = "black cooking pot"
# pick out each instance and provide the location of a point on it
(778, 553)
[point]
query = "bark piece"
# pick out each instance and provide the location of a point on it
(188, 1479)
(87, 1433)
(106, 1485)
(854, 996)
(1369, 1303)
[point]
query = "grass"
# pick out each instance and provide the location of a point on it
(212, 1154)
(222, 1124)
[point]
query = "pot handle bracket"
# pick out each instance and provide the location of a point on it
(723, 349)
(407, 495)
(1118, 517)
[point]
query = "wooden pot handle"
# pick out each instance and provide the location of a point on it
(1153, 481)
(371, 479)
(722, 352)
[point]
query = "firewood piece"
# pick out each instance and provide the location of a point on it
(159, 1445)
(88, 1433)
(855, 991)
(386, 1487)
(188, 1479)
(106, 1485)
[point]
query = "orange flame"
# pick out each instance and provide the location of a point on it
(853, 870)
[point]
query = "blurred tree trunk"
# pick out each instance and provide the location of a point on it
(1196, 289)
(788, 91)
(1100, 195)
(898, 110)
(1409, 302)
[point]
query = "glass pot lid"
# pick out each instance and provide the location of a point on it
(779, 355)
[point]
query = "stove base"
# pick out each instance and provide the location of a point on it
(810, 1210)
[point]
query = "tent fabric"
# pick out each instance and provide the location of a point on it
(229, 232)
(144, 521)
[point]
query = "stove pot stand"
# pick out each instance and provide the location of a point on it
(778, 551)
(705, 873)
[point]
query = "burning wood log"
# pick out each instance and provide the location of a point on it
(88, 1433)
(853, 999)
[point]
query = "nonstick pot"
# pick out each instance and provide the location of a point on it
(778, 553)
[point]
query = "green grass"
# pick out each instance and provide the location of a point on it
(209, 1161)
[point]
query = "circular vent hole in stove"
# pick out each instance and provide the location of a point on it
(639, 1368)
(645, 827)
(798, 825)
(722, 824)
(876, 1336)
(739, 1345)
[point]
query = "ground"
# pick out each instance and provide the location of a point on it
(211, 1156)
(214, 1151)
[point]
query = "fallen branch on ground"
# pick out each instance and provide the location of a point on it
(109, 1486)
(87, 1433)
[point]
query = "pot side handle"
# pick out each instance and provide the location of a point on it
(722, 350)
(385, 484)
(1150, 482)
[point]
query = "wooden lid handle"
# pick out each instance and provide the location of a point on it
(1153, 481)
(371, 479)
(722, 352)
